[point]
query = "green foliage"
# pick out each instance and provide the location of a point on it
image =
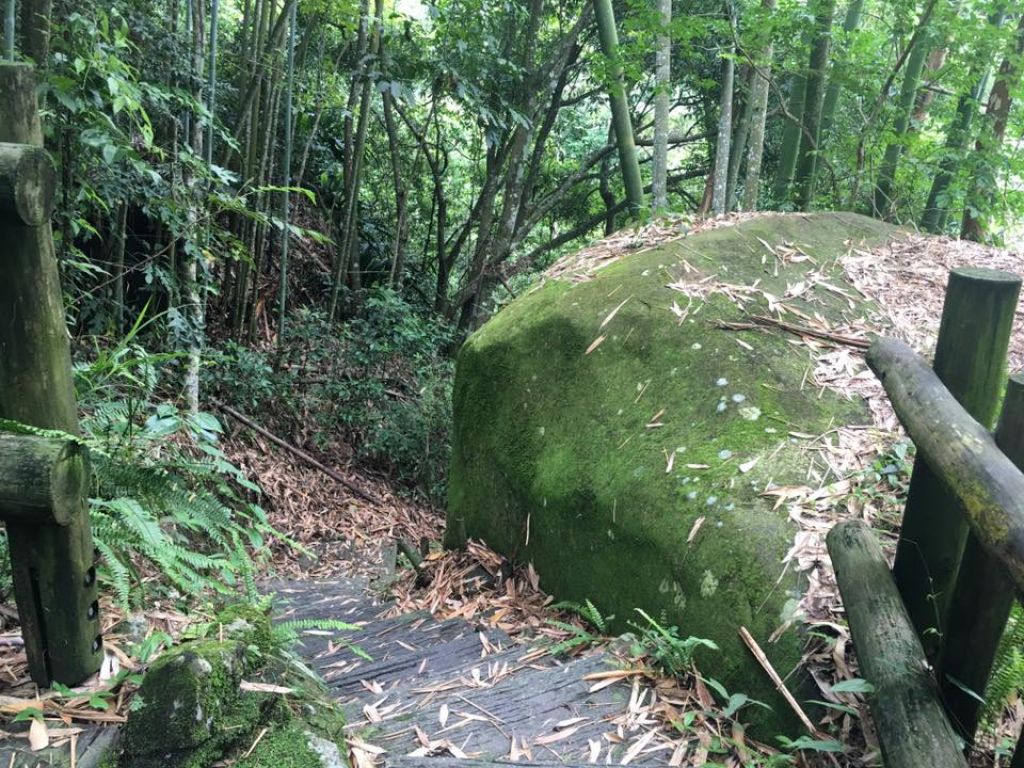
(165, 496)
(665, 648)
(579, 637)
(382, 384)
(1007, 677)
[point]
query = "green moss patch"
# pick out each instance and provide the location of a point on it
(612, 433)
(192, 709)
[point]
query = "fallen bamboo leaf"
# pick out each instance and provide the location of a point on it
(245, 685)
(595, 344)
(38, 736)
(693, 531)
(551, 738)
(749, 465)
(614, 312)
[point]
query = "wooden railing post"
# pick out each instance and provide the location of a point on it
(911, 725)
(52, 562)
(982, 597)
(970, 360)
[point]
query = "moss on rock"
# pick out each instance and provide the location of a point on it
(562, 444)
(191, 710)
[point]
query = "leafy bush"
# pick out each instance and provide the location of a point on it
(381, 383)
(164, 496)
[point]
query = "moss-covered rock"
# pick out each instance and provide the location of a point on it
(614, 463)
(192, 710)
(190, 705)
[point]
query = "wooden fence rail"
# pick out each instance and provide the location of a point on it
(960, 559)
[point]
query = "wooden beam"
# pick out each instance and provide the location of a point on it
(970, 361)
(27, 183)
(42, 480)
(53, 570)
(961, 452)
(982, 599)
(911, 725)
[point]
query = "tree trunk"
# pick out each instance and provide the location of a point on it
(790, 140)
(663, 83)
(286, 176)
(400, 238)
(806, 171)
(193, 268)
(117, 264)
(628, 163)
(980, 193)
(957, 138)
(761, 77)
(828, 109)
(883, 205)
(720, 185)
(34, 34)
(738, 147)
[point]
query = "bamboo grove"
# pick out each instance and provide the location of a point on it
(234, 161)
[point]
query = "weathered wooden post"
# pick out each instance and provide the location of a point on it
(970, 359)
(982, 598)
(47, 524)
(912, 727)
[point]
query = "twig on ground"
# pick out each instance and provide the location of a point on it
(759, 322)
(755, 649)
(365, 495)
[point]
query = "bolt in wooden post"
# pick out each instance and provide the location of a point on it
(970, 360)
(52, 563)
(983, 596)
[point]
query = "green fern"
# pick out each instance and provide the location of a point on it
(1007, 677)
(669, 652)
(578, 637)
(588, 612)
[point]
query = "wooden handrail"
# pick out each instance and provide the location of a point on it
(959, 450)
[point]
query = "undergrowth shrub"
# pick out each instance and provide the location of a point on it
(169, 511)
(378, 387)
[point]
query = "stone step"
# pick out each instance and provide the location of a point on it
(451, 762)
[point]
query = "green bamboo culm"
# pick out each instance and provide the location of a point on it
(9, 30)
(286, 174)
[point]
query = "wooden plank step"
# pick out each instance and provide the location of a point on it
(91, 747)
(547, 707)
(343, 599)
(404, 761)
(448, 650)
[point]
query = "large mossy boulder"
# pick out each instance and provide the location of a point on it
(615, 450)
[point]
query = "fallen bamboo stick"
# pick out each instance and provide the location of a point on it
(755, 649)
(246, 421)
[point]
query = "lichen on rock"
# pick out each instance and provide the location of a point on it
(571, 407)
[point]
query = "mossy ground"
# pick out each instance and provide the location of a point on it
(556, 461)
